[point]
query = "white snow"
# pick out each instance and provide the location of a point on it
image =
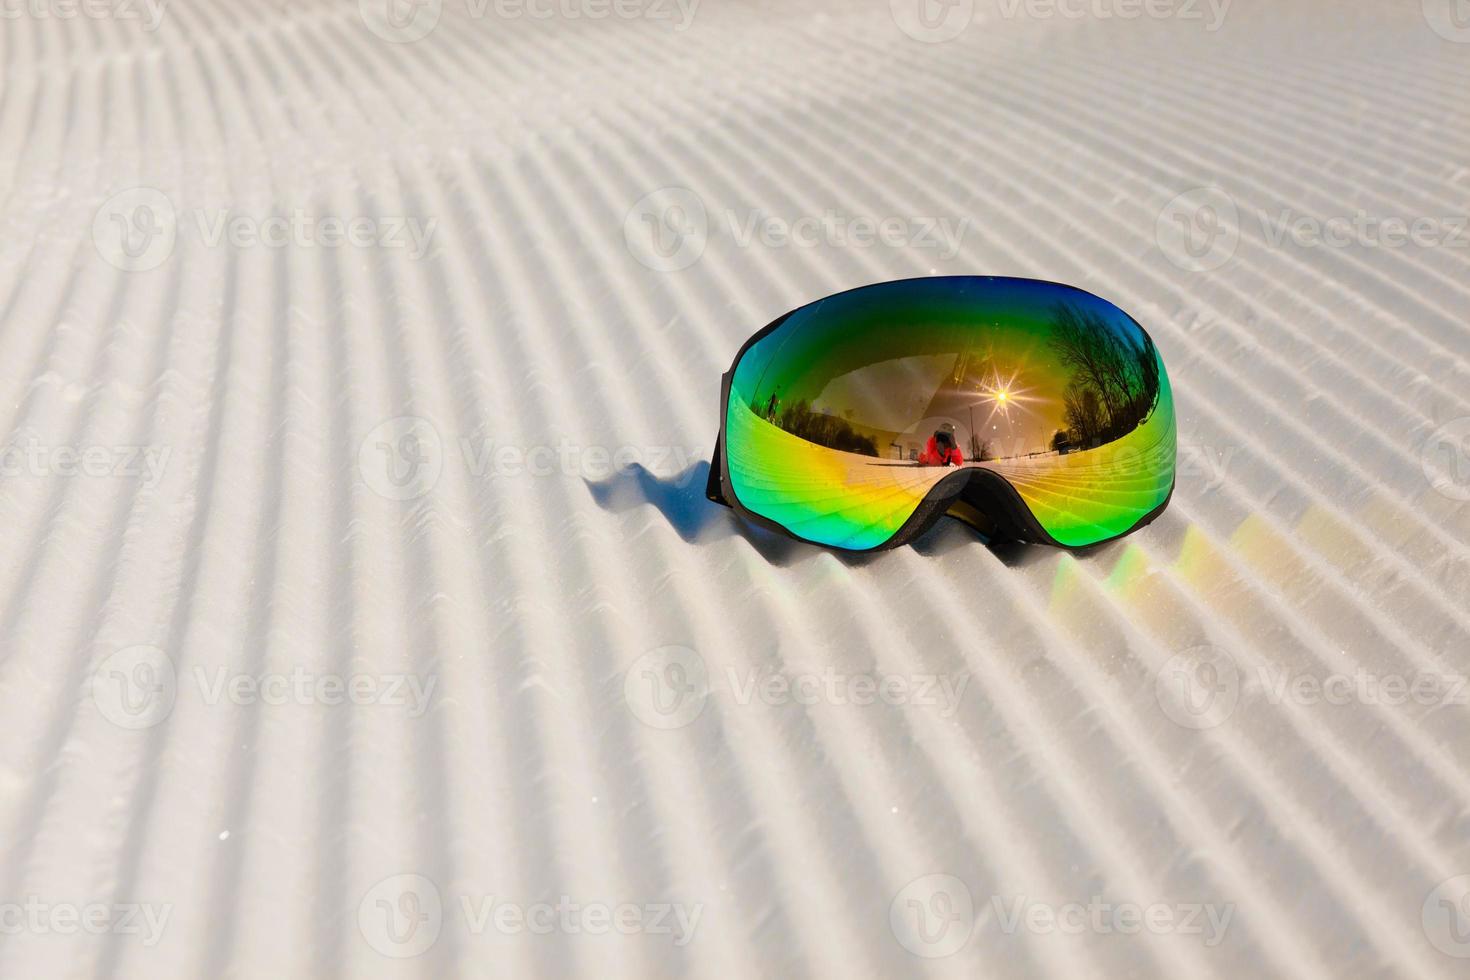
(322, 522)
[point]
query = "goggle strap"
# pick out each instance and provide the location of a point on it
(714, 487)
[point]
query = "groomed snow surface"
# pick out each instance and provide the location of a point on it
(361, 614)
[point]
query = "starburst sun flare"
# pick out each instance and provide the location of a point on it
(1004, 394)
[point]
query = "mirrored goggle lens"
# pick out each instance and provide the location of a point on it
(843, 418)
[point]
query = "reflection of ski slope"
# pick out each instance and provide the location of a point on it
(534, 340)
(821, 493)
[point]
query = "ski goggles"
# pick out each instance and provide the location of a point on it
(1030, 410)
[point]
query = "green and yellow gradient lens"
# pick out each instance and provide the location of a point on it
(842, 419)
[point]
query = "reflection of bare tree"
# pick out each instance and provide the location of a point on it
(824, 430)
(1084, 414)
(1115, 379)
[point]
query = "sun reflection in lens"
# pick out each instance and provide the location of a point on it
(1003, 395)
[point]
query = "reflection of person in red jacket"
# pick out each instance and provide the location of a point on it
(941, 450)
